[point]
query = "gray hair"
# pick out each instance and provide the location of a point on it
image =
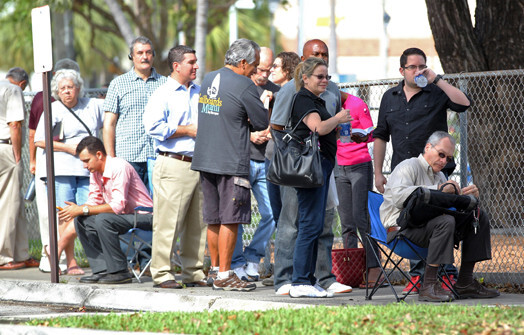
(242, 49)
(141, 40)
(307, 68)
(18, 74)
(438, 136)
(66, 63)
(72, 75)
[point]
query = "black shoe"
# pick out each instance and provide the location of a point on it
(94, 278)
(123, 277)
(475, 290)
(434, 293)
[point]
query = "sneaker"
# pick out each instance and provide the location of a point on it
(309, 291)
(211, 277)
(268, 281)
(252, 271)
(283, 290)
(242, 275)
(44, 266)
(233, 283)
(338, 288)
(319, 288)
(408, 289)
(450, 280)
(475, 290)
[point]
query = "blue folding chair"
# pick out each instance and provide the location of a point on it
(136, 240)
(400, 246)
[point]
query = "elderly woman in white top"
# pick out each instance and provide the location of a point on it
(74, 118)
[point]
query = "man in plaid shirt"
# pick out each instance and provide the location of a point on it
(127, 95)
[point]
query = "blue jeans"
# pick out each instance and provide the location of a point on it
(256, 249)
(285, 242)
(311, 214)
(71, 188)
(274, 197)
(141, 169)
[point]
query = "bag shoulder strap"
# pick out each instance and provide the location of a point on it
(78, 118)
(288, 123)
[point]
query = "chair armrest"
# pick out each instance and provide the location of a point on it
(144, 209)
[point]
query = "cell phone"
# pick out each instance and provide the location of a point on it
(59, 208)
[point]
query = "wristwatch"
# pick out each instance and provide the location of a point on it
(85, 210)
(437, 78)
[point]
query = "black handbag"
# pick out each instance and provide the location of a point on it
(296, 162)
(424, 204)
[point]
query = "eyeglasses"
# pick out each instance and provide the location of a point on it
(442, 155)
(321, 76)
(414, 67)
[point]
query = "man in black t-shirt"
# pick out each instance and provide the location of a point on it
(229, 104)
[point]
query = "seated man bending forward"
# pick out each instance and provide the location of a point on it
(115, 190)
(438, 234)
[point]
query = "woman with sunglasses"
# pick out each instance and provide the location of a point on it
(311, 79)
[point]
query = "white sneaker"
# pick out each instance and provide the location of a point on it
(321, 289)
(242, 275)
(283, 290)
(44, 266)
(310, 291)
(337, 288)
(252, 270)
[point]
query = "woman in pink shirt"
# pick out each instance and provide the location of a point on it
(354, 178)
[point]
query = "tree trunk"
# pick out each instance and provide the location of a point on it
(495, 119)
(200, 37)
(121, 21)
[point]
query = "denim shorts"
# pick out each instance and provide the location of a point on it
(227, 199)
(71, 188)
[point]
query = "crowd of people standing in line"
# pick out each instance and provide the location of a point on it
(213, 146)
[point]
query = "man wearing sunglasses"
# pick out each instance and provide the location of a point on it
(438, 234)
(408, 115)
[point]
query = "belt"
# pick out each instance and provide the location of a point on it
(8, 141)
(176, 156)
(394, 228)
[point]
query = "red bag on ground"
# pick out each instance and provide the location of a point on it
(349, 265)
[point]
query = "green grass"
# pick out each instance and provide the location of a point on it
(368, 319)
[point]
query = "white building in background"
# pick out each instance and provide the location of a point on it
(362, 41)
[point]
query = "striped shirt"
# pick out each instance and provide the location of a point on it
(127, 96)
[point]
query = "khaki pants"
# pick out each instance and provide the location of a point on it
(177, 205)
(13, 225)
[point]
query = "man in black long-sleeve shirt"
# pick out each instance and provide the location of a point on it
(409, 114)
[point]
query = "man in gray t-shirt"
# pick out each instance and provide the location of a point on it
(229, 105)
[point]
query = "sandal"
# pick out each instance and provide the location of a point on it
(75, 271)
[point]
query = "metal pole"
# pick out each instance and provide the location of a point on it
(233, 27)
(50, 169)
(463, 119)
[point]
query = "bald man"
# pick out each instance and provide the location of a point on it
(245, 262)
(287, 221)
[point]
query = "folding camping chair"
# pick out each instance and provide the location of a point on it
(400, 246)
(135, 240)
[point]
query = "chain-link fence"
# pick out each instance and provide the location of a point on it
(491, 130)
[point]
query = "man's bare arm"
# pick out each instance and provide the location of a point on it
(108, 133)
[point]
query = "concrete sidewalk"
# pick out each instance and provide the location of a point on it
(32, 286)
